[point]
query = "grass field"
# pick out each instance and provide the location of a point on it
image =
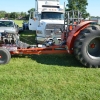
(47, 77)
(19, 22)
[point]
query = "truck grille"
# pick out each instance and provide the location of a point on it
(51, 27)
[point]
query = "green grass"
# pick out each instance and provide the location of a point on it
(28, 36)
(47, 77)
(19, 22)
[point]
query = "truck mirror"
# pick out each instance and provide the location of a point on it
(61, 30)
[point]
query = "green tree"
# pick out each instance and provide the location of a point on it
(23, 14)
(2, 14)
(13, 15)
(27, 16)
(7, 15)
(31, 10)
(78, 5)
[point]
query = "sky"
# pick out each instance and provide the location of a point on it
(24, 5)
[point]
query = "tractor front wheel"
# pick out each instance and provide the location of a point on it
(87, 46)
(5, 56)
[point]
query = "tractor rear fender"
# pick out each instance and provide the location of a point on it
(74, 33)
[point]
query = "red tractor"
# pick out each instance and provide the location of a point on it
(81, 38)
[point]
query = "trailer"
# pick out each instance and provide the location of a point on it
(80, 38)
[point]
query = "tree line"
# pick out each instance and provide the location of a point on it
(80, 5)
(72, 5)
(16, 15)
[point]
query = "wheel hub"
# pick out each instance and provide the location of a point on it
(94, 48)
(92, 45)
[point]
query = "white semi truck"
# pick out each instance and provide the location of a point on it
(47, 17)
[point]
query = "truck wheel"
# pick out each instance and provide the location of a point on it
(5, 56)
(87, 46)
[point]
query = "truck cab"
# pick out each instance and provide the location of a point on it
(49, 16)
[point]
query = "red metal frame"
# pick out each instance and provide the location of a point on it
(38, 51)
(74, 33)
(68, 48)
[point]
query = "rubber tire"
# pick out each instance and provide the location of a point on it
(82, 43)
(5, 56)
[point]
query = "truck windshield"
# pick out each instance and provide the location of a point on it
(6, 24)
(52, 15)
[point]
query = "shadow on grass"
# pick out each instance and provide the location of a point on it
(60, 60)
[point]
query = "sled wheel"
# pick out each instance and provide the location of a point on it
(87, 46)
(5, 56)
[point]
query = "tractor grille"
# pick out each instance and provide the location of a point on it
(51, 27)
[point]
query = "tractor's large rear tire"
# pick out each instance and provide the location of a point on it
(87, 46)
(5, 56)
